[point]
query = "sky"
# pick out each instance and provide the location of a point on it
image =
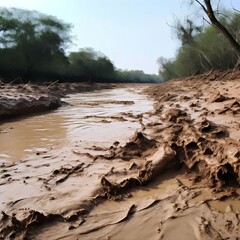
(133, 34)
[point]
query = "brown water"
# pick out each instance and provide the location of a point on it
(93, 117)
(32, 148)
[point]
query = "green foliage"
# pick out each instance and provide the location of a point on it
(207, 50)
(218, 52)
(137, 76)
(90, 65)
(32, 45)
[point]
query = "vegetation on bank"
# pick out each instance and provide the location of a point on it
(202, 48)
(33, 47)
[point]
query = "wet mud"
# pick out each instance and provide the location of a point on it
(23, 99)
(177, 177)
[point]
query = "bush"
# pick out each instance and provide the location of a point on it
(208, 50)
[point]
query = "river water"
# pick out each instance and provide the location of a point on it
(97, 117)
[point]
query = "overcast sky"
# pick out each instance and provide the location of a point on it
(132, 33)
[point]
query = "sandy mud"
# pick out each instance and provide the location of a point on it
(174, 175)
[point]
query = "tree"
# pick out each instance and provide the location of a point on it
(186, 31)
(206, 5)
(137, 76)
(32, 42)
(87, 64)
(207, 50)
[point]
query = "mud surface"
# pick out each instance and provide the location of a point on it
(22, 99)
(46, 159)
(177, 177)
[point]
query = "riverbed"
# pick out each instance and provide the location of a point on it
(98, 117)
(109, 165)
(52, 162)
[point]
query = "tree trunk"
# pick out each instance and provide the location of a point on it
(211, 15)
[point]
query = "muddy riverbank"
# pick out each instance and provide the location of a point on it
(23, 99)
(174, 175)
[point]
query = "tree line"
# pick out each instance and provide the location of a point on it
(33, 47)
(215, 46)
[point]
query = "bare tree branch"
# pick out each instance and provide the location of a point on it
(203, 7)
(206, 21)
(207, 8)
(218, 4)
(236, 10)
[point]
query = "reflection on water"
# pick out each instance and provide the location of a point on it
(80, 122)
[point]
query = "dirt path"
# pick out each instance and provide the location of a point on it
(177, 178)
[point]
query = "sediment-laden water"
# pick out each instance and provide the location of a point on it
(101, 116)
(108, 165)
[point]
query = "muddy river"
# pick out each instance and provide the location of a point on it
(106, 165)
(42, 156)
(98, 117)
